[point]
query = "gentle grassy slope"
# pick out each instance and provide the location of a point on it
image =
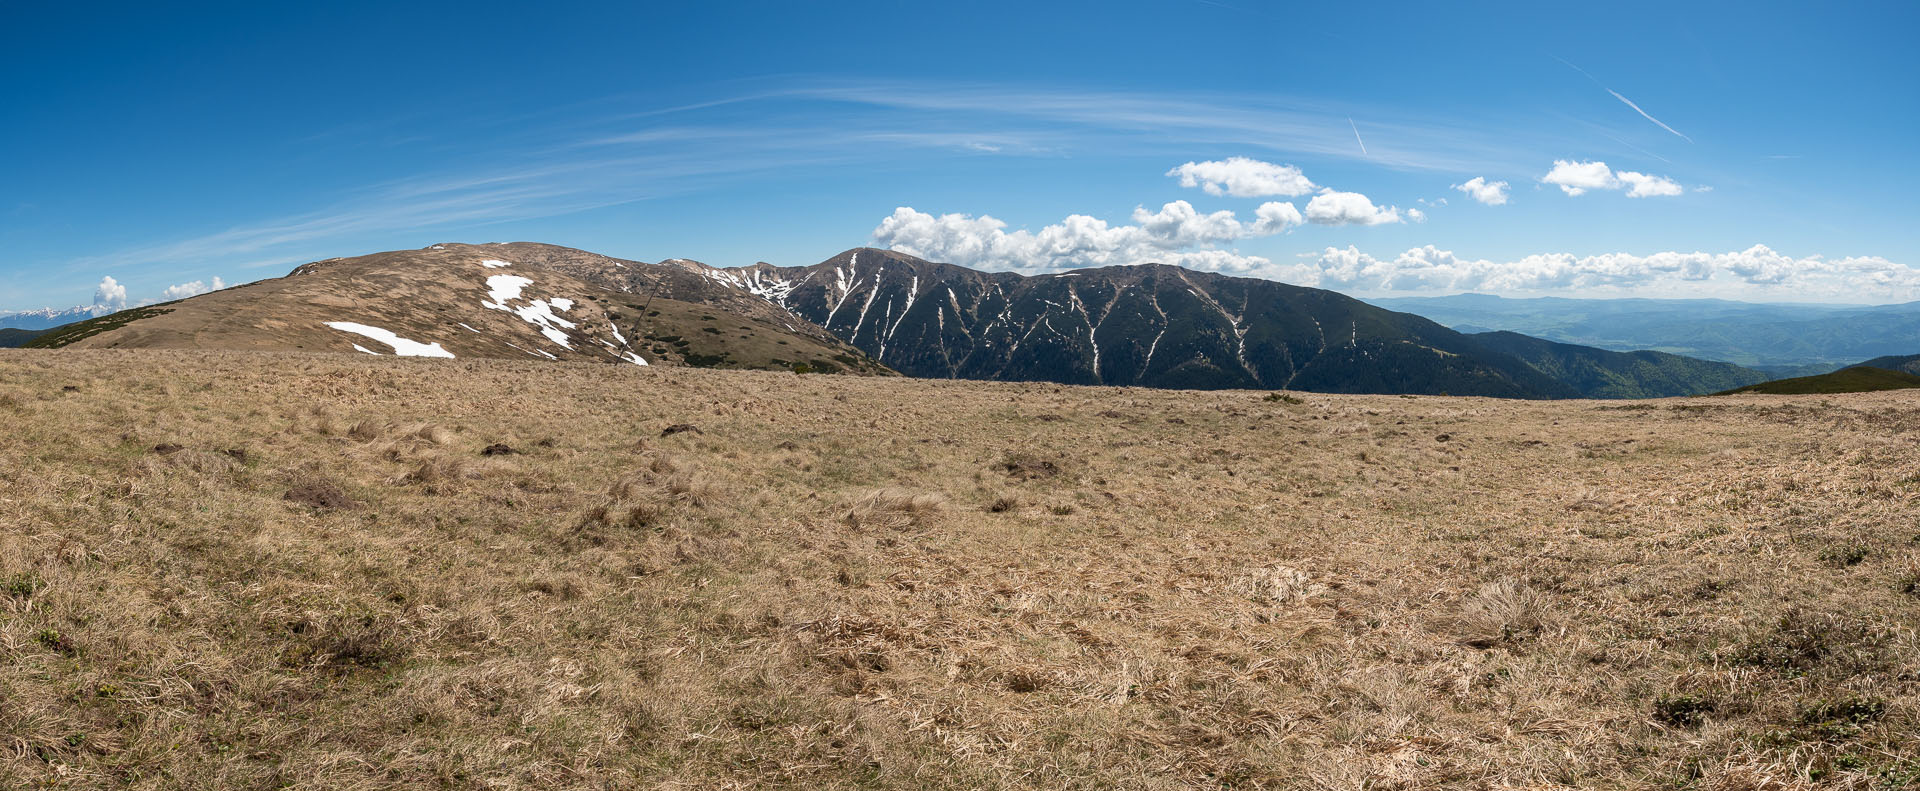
(1598, 373)
(866, 582)
(1858, 379)
(69, 334)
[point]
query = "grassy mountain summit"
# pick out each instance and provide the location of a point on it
(1598, 373)
(514, 301)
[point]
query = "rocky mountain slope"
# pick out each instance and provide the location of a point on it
(1149, 325)
(1598, 373)
(500, 300)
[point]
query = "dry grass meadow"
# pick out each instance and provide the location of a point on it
(241, 571)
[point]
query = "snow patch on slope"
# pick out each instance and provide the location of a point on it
(504, 289)
(401, 346)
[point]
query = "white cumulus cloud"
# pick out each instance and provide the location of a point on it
(1175, 234)
(1576, 178)
(1641, 185)
(110, 294)
(1241, 177)
(1331, 207)
(1492, 193)
(192, 289)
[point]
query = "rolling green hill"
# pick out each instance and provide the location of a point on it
(1905, 363)
(11, 338)
(1598, 373)
(1858, 379)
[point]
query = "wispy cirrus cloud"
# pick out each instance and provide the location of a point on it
(1142, 121)
(526, 170)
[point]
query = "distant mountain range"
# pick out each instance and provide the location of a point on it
(878, 311)
(47, 318)
(1783, 339)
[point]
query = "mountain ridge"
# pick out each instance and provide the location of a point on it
(1151, 325)
(875, 311)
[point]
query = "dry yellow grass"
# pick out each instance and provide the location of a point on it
(265, 571)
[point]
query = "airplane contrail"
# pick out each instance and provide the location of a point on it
(1623, 99)
(1363, 143)
(1643, 114)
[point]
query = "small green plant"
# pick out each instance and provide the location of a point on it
(56, 641)
(1063, 509)
(1684, 711)
(21, 586)
(1844, 555)
(1843, 718)
(1283, 398)
(1801, 641)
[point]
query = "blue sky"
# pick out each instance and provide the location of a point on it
(1751, 150)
